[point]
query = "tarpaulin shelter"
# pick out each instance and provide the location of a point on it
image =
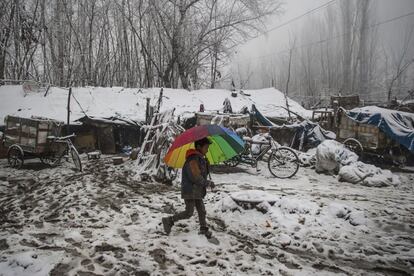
(260, 118)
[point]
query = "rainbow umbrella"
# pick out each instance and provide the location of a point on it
(225, 145)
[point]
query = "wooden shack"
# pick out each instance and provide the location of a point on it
(109, 135)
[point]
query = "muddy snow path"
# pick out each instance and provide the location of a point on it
(325, 224)
(103, 222)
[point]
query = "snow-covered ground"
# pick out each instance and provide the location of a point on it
(103, 222)
(131, 102)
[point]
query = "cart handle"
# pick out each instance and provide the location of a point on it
(61, 138)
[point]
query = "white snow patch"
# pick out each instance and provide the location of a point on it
(254, 196)
(368, 175)
(338, 210)
(30, 263)
(227, 203)
(297, 205)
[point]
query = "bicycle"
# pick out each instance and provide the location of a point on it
(283, 162)
(61, 147)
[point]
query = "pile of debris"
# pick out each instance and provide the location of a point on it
(334, 158)
(160, 134)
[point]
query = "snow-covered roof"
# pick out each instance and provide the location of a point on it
(110, 121)
(130, 102)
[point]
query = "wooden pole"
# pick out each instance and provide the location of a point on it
(287, 84)
(160, 100)
(68, 109)
(147, 112)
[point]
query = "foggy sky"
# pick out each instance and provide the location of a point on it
(278, 40)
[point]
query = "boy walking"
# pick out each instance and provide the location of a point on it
(194, 185)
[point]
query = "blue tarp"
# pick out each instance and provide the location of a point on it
(310, 134)
(260, 118)
(397, 125)
(306, 133)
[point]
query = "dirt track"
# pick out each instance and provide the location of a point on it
(103, 222)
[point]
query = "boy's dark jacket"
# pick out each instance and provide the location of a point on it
(194, 176)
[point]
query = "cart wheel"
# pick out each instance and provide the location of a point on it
(76, 159)
(233, 162)
(354, 145)
(15, 156)
(283, 163)
(51, 160)
(399, 156)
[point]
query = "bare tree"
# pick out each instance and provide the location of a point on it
(401, 62)
(127, 42)
(288, 77)
(7, 14)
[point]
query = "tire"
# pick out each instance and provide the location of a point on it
(75, 158)
(15, 156)
(355, 146)
(399, 156)
(233, 162)
(283, 163)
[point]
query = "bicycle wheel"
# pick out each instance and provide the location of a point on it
(283, 163)
(75, 157)
(233, 162)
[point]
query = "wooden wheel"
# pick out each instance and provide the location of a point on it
(15, 156)
(354, 145)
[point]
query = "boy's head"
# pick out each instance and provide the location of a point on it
(202, 145)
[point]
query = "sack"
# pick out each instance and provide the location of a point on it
(332, 155)
(367, 175)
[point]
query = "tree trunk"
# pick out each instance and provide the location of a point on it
(346, 60)
(363, 57)
(61, 43)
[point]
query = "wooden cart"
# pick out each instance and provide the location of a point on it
(37, 138)
(369, 141)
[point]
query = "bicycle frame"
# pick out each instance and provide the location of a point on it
(247, 157)
(63, 146)
(280, 157)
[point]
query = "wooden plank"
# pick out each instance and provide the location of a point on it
(20, 129)
(37, 135)
(18, 133)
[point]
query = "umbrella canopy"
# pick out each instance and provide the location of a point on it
(225, 144)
